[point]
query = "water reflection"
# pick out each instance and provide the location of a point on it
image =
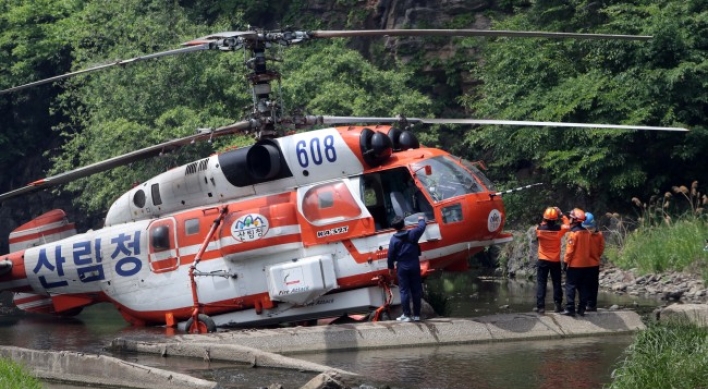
(557, 364)
(552, 364)
(90, 332)
(471, 295)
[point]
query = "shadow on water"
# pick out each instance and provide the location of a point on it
(557, 364)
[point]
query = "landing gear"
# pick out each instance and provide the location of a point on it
(203, 325)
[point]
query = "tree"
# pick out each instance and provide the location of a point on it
(661, 82)
(32, 47)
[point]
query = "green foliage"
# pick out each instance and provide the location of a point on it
(672, 355)
(123, 109)
(13, 375)
(32, 46)
(327, 78)
(661, 82)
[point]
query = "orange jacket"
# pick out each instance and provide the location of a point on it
(549, 242)
(577, 248)
(597, 247)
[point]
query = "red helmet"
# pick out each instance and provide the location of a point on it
(577, 214)
(551, 213)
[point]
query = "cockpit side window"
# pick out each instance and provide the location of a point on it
(391, 193)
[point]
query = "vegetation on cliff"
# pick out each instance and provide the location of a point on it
(85, 119)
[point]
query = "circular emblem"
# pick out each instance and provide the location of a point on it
(494, 220)
(249, 227)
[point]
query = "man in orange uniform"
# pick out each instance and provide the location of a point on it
(549, 234)
(578, 262)
(597, 247)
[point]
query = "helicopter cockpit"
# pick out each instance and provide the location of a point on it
(442, 178)
(391, 193)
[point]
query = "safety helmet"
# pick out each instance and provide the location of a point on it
(551, 213)
(577, 214)
(589, 222)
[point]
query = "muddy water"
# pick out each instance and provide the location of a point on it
(557, 364)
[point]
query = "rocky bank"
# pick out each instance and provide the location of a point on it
(521, 256)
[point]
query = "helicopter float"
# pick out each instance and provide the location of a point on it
(294, 227)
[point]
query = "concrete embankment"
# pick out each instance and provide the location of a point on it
(370, 335)
(99, 370)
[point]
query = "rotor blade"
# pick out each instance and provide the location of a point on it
(128, 158)
(483, 33)
(204, 46)
(350, 119)
(220, 35)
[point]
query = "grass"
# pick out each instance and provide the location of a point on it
(679, 246)
(13, 375)
(669, 235)
(672, 355)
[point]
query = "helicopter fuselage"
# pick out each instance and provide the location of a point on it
(302, 231)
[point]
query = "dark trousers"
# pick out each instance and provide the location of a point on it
(593, 286)
(577, 278)
(411, 286)
(544, 267)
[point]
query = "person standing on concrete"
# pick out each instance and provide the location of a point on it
(549, 235)
(578, 262)
(404, 251)
(597, 247)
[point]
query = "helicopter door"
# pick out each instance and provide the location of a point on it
(332, 213)
(163, 254)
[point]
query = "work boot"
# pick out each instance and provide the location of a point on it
(568, 313)
(559, 308)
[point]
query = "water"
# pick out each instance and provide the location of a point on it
(557, 364)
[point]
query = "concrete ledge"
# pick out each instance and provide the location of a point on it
(358, 336)
(85, 369)
(210, 350)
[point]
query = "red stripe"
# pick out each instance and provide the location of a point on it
(37, 235)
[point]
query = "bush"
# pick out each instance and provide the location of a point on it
(13, 375)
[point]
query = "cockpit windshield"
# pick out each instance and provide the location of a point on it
(445, 179)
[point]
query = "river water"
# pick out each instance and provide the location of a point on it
(557, 364)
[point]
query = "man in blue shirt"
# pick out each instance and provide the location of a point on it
(404, 249)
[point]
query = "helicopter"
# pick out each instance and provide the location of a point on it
(294, 227)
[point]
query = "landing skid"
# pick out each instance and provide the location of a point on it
(359, 301)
